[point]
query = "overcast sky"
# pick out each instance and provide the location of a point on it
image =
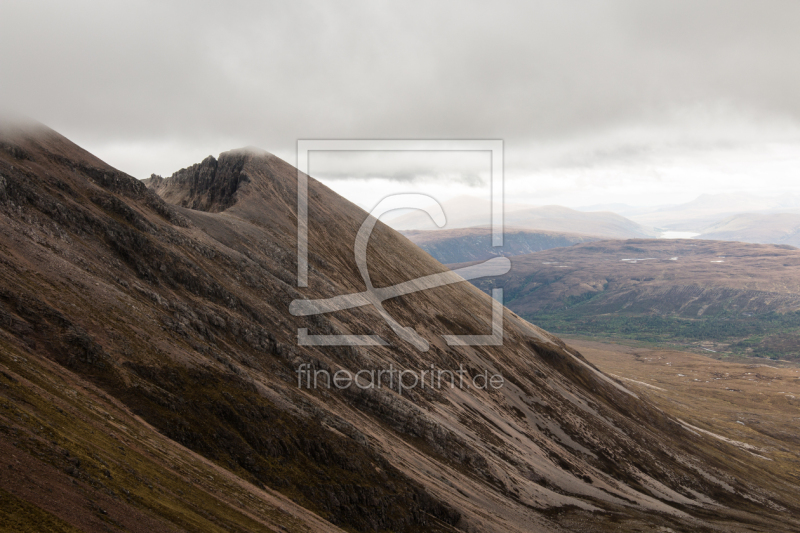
(640, 102)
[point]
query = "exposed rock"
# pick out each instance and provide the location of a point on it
(210, 185)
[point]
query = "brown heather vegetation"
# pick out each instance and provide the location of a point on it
(147, 381)
(755, 406)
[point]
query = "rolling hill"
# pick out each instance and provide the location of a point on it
(475, 244)
(735, 297)
(463, 211)
(563, 219)
(708, 209)
(770, 228)
(149, 371)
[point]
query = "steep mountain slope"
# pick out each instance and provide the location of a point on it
(741, 297)
(176, 319)
(475, 244)
(75, 236)
(773, 228)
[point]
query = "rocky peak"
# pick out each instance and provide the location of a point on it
(211, 185)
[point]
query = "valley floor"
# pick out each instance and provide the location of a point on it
(755, 407)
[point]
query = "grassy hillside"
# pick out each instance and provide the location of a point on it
(771, 335)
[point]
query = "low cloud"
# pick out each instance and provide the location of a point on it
(581, 94)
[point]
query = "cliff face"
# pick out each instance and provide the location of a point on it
(211, 185)
(153, 343)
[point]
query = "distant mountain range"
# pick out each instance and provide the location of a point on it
(466, 212)
(731, 217)
(461, 212)
(621, 209)
(776, 228)
(709, 209)
(475, 244)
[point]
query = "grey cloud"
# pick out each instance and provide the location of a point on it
(268, 73)
(470, 179)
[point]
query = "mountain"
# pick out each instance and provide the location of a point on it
(709, 209)
(774, 228)
(563, 219)
(625, 210)
(467, 212)
(149, 371)
(475, 244)
(461, 212)
(743, 298)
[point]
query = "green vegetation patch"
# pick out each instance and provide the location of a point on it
(20, 516)
(773, 335)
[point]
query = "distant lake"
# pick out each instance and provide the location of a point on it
(678, 235)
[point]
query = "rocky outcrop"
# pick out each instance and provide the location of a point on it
(211, 185)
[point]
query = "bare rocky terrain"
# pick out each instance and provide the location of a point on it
(148, 377)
